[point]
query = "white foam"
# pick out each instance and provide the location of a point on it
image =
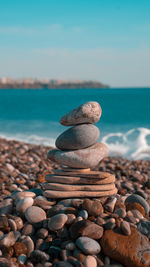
(133, 144)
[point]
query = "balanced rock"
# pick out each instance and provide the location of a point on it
(78, 137)
(89, 112)
(132, 250)
(82, 158)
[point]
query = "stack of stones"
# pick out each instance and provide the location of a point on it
(77, 153)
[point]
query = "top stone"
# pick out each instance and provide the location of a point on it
(89, 112)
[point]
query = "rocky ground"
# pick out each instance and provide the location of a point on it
(35, 231)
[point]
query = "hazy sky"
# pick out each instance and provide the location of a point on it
(105, 40)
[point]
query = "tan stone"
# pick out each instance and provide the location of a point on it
(66, 169)
(82, 158)
(89, 112)
(131, 251)
(63, 194)
(78, 180)
(69, 187)
(91, 174)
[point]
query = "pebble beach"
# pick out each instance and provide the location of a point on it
(109, 231)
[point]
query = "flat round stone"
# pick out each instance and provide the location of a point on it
(70, 194)
(82, 158)
(78, 137)
(35, 214)
(69, 187)
(89, 112)
(88, 245)
(52, 178)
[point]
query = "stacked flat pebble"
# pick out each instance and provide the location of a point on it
(77, 152)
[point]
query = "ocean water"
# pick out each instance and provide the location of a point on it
(33, 116)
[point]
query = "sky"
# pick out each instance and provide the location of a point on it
(104, 40)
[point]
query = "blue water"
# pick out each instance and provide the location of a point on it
(33, 116)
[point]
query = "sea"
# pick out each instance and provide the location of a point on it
(32, 116)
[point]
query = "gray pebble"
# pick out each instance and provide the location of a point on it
(57, 222)
(78, 137)
(83, 214)
(88, 245)
(125, 228)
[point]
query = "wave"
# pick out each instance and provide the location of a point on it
(132, 144)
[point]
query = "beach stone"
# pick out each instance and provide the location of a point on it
(19, 248)
(23, 204)
(78, 137)
(57, 222)
(53, 178)
(125, 228)
(85, 228)
(88, 245)
(70, 187)
(93, 207)
(71, 246)
(133, 199)
(110, 205)
(8, 240)
(82, 158)
(132, 250)
(35, 214)
(38, 256)
(89, 112)
(22, 259)
(6, 206)
(83, 214)
(90, 261)
(92, 230)
(28, 229)
(24, 194)
(68, 194)
(121, 212)
(29, 244)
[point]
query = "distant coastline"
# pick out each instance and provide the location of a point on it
(8, 83)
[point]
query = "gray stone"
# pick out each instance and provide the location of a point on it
(57, 222)
(39, 256)
(35, 214)
(82, 158)
(89, 112)
(125, 227)
(88, 245)
(137, 198)
(78, 137)
(83, 214)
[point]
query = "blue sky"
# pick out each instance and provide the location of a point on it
(105, 40)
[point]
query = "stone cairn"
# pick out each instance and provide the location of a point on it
(77, 152)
